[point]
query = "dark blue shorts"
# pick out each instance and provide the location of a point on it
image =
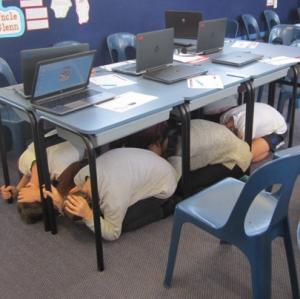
(274, 141)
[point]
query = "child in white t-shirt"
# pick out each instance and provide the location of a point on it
(27, 190)
(269, 128)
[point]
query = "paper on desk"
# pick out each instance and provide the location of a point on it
(280, 60)
(109, 67)
(127, 101)
(244, 44)
(190, 59)
(207, 81)
(111, 81)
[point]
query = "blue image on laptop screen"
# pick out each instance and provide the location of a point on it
(62, 75)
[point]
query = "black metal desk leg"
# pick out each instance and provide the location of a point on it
(185, 159)
(4, 158)
(271, 93)
(95, 199)
(43, 172)
(293, 105)
(249, 112)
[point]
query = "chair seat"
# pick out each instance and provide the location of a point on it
(287, 151)
(224, 195)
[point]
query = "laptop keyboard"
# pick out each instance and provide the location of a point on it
(78, 98)
(183, 70)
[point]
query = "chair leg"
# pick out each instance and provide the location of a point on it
(281, 101)
(173, 249)
(260, 259)
(289, 110)
(291, 260)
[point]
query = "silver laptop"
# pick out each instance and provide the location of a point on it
(185, 24)
(30, 57)
(60, 85)
(211, 35)
(238, 59)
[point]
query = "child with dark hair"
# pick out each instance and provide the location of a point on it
(125, 177)
(27, 191)
(215, 151)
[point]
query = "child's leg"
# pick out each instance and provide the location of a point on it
(260, 149)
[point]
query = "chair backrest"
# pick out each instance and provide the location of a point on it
(121, 46)
(298, 13)
(282, 172)
(6, 72)
(272, 19)
(66, 43)
(284, 34)
(251, 27)
(232, 28)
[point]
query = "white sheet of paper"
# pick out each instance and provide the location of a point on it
(127, 101)
(109, 67)
(280, 60)
(207, 81)
(111, 81)
(244, 44)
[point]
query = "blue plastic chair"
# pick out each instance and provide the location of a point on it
(232, 28)
(121, 46)
(271, 18)
(298, 13)
(247, 216)
(251, 27)
(17, 130)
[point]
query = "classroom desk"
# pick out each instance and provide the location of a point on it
(96, 126)
(262, 73)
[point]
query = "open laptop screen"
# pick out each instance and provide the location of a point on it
(154, 49)
(185, 23)
(211, 34)
(62, 74)
(30, 57)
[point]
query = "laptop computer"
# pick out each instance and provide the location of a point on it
(185, 24)
(211, 35)
(30, 57)
(147, 47)
(238, 59)
(155, 58)
(60, 85)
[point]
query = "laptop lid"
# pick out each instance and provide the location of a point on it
(154, 49)
(60, 75)
(237, 58)
(211, 34)
(185, 23)
(30, 57)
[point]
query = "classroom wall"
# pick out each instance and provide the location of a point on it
(109, 16)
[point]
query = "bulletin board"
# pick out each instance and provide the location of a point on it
(41, 23)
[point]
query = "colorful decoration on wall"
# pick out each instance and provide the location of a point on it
(12, 23)
(33, 15)
(272, 3)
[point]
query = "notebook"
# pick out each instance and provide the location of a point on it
(60, 85)
(211, 35)
(30, 57)
(155, 58)
(185, 24)
(237, 58)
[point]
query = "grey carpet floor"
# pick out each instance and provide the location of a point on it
(36, 264)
